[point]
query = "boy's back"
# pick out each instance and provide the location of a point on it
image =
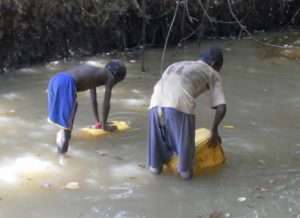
(86, 77)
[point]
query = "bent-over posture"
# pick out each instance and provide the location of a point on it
(171, 124)
(62, 101)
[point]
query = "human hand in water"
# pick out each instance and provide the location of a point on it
(110, 128)
(214, 140)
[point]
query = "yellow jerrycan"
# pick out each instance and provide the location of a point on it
(204, 157)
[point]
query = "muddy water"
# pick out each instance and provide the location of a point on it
(261, 176)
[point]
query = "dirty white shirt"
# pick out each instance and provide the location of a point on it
(182, 82)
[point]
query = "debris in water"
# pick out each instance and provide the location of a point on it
(216, 215)
(118, 158)
(261, 189)
(271, 181)
(143, 166)
(70, 185)
(132, 177)
(52, 64)
(101, 154)
(241, 199)
(46, 186)
(250, 206)
(9, 113)
(258, 196)
(228, 126)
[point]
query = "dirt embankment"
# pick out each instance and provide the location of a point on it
(35, 31)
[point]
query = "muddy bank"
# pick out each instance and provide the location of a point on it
(33, 31)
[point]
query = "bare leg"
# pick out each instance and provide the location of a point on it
(156, 170)
(62, 140)
(186, 175)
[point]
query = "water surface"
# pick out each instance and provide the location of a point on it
(261, 176)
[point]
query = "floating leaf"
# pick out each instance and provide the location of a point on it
(142, 166)
(71, 185)
(132, 177)
(261, 189)
(228, 126)
(241, 199)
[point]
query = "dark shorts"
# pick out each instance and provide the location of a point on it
(176, 135)
(62, 104)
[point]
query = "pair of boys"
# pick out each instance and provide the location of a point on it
(171, 124)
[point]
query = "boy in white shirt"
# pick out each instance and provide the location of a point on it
(171, 125)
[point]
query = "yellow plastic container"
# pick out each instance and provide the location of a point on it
(121, 125)
(204, 157)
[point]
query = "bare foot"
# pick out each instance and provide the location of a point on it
(62, 141)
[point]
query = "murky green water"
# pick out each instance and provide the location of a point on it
(261, 176)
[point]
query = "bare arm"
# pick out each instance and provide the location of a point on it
(106, 108)
(215, 139)
(94, 103)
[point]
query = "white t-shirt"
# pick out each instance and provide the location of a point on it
(182, 82)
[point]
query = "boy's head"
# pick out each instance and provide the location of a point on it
(213, 56)
(117, 68)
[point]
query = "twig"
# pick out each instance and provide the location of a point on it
(297, 12)
(188, 36)
(166, 42)
(197, 29)
(188, 13)
(144, 35)
(212, 19)
(205, 12)
(136, 4)
(88, 13)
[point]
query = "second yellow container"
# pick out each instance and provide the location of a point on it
(205, 157)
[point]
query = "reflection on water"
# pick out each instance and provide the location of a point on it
(25, 165)
(260, 177)
(123, 191)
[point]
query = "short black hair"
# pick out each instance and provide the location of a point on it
(213, 56)
(117, 68)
